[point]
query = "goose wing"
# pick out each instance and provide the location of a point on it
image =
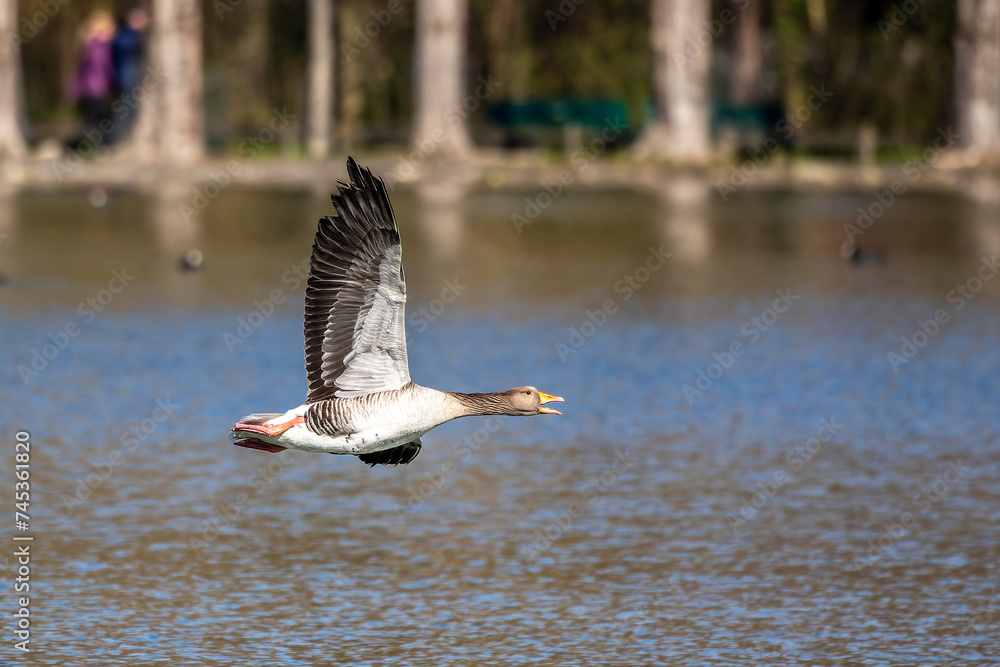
(394, 456)
(354, 325)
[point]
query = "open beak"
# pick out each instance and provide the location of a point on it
(548, 398)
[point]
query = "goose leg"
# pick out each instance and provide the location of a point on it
(254, 443)
(269, 429)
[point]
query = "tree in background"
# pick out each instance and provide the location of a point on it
(439, 80)
(885, 67)
(170, 126)
(319, 86)
(977, 78)
(748, 52)
(538, 49)
(11, 140)
(680, 132)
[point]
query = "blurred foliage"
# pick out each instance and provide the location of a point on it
(898, 80)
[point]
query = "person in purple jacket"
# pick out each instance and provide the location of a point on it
(95, 77)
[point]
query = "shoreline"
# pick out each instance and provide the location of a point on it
(513, 172)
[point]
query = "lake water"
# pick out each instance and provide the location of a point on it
(743, 473)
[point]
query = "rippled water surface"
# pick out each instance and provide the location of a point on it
(729, 484)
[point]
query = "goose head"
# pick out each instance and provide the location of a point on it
(529, 401)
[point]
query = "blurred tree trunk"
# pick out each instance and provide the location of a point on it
(744, 73)
(170, 126)
(680, 132)
(11, 139)
(350, 75)
(439, 90)
(319, 87)
(816, 16)
(977, 78)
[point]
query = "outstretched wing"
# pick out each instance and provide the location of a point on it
(354, 328)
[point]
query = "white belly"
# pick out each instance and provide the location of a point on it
(405, 423)
(366, 440)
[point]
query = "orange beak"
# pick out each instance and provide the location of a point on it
(547, 398)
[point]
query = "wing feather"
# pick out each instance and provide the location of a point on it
(355, 297)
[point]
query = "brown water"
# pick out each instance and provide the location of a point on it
(811, 505)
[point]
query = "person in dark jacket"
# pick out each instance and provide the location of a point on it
(128, 52)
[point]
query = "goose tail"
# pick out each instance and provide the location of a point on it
(241, 433)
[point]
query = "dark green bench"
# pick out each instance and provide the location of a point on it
(524, 123)
(761, 118)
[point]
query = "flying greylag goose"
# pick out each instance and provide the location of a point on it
(361, 400)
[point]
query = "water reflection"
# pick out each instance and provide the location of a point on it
(7, 229)
(684, 216)
(521, 539)
(176, 219)
(985, 228)
(439, 217)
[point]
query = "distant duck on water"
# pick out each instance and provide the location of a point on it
(361, 400)
(853, 253)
